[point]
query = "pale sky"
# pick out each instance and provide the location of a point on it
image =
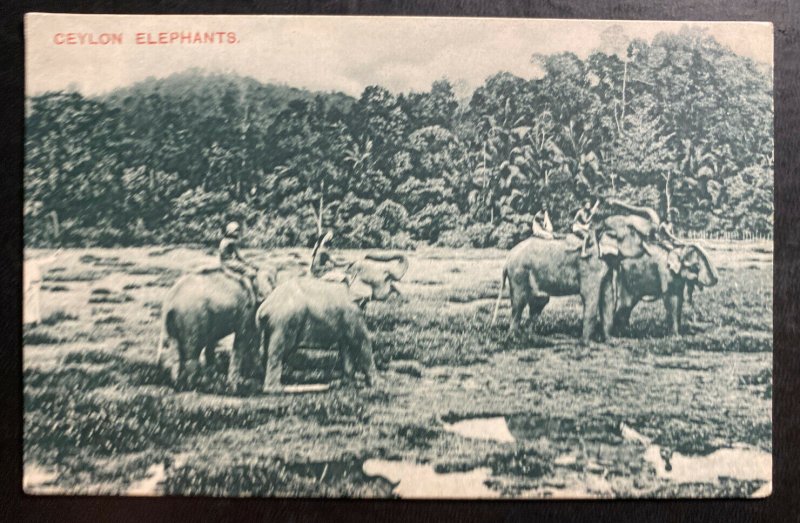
(332, 53)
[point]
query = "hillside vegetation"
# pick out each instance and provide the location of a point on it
(677, 123)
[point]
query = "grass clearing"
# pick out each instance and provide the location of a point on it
(101, 413)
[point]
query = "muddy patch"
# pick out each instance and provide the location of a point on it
(493, 429)
(39, 480)
(739, 462)
(416, 481)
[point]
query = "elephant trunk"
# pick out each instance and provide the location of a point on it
(647, 212)
(401, 259)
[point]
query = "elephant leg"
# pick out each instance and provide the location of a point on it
(536, 303)
(625, 303)
(178, 370)
(537, 300)
(591, 304)
(367, 360)
(243, 357)
(673, 318)
(518, 292)
(348, 365)
(281, 340)
(235, 364)
(607, 306)
(189, 352)
(210, 353)
(622, 319)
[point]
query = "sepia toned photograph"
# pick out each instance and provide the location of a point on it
(396, 257)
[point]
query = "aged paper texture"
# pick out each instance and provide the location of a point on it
(397, 257)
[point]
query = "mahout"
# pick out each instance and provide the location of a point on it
(539, 268)
(200, 309)
(205, 306)
(372, 278)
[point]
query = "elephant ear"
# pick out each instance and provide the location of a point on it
(675, 261)
(396, 264)
(706, 273)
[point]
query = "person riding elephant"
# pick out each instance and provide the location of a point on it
(200, 309)
(310, 312)
(537, 268)
(661, 273)
(582, 224)
(232, 262)
(371, 279)
(542, 227)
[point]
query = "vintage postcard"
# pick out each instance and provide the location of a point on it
(372, 257)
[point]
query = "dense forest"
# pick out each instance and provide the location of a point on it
(680, 123)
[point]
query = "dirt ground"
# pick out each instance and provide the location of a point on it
(460, 408)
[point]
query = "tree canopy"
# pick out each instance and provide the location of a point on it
(681, 124)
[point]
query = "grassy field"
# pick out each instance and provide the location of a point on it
(100, 417)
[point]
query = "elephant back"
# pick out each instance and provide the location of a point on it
(213, 289)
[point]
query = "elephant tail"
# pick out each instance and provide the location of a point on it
(503, 279)
(167, 327)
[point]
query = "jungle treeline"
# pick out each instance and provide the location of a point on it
(681, 124)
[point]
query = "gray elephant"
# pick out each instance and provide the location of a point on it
(662, 273)
(200, 309)
(370, 279)
(380, 272)
(538, 268)
(309, 312)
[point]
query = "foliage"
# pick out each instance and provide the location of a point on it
(677, 123)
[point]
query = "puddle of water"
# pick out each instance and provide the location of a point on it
(156, 474)
(149, 485)
(38, 480)
(308, 387)
(413, 480)
(740, 462)
(494, 429)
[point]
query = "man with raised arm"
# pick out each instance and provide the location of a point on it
(232, 262)
(542, 227)
(582, 223)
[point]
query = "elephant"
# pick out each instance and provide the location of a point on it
(370, 279)
(538, 268)
(380, 271)
(203, 307)
(310, 312)
(661, 273)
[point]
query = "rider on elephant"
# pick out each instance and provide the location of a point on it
(582, 224)
(542, 227)
(232, 262)
(666, 234)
